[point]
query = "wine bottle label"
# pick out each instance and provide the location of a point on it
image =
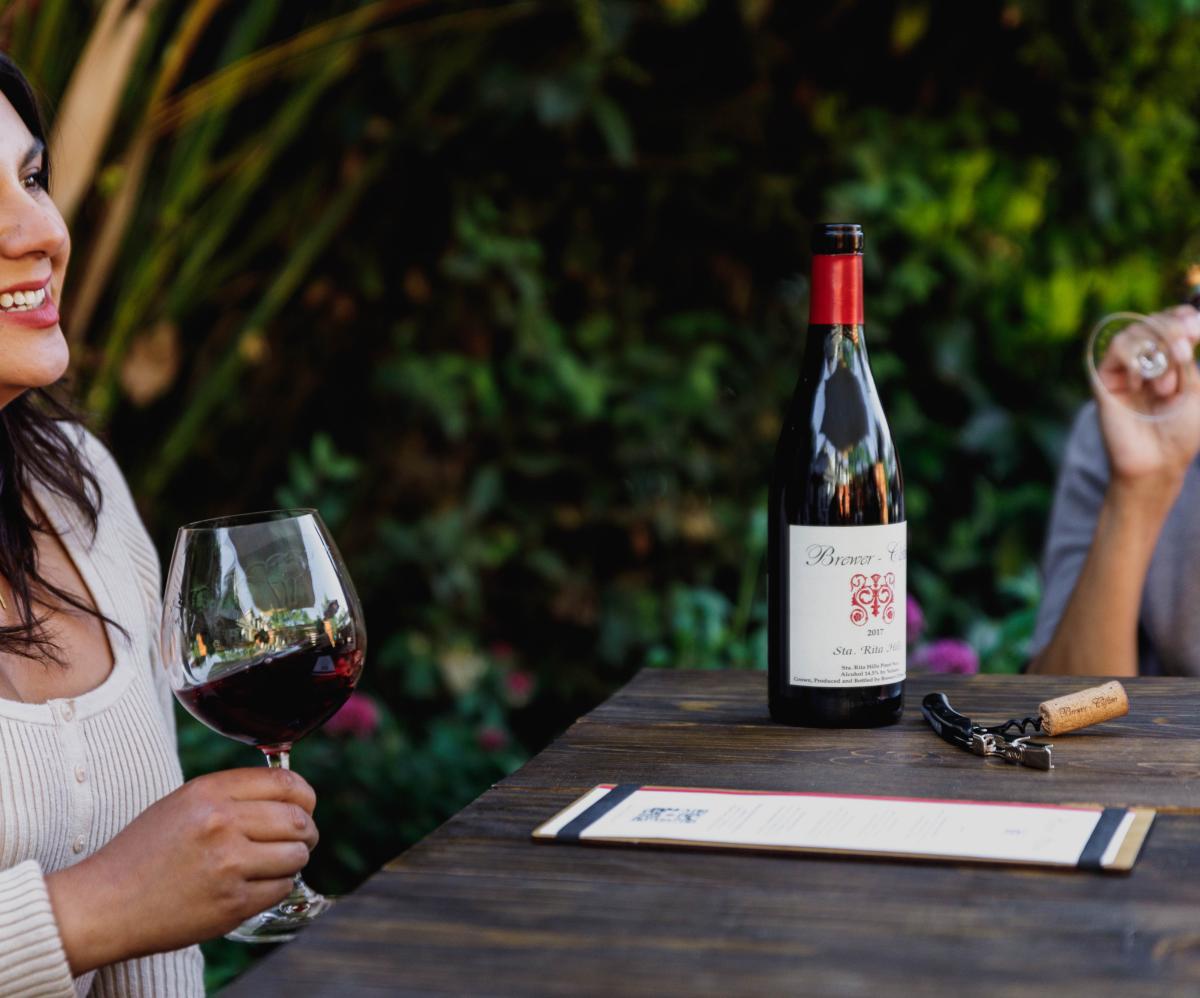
(846, 605)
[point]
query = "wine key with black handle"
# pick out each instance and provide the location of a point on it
(1055, 717)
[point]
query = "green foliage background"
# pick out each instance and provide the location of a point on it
(530, 366)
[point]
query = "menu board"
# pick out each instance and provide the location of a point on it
(1072, 836)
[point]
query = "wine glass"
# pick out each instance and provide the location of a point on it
(1130, 359)
(263, 639)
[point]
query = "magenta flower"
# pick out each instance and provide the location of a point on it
(357, 718)
(914, 619)
(491, 738)
(947, 655)
(518, 687)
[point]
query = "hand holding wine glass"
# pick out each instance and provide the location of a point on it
(1144, 377)
(1147, 389)
(193, 865)
(263, 639)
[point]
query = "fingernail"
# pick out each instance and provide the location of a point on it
(1183, 350)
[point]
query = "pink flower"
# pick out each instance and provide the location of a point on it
(518, 687)
(491, 738)
(947, 655)
(914, 619)
(357, 718)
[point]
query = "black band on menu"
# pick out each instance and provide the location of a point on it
(571, 831)
(1106, 828)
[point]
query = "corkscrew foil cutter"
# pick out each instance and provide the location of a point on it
(1055, 717)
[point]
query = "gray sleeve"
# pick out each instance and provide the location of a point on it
(1082, 482)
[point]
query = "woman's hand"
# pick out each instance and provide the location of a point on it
(192, 866)
(1156, 452)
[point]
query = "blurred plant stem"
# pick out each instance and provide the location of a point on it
(221, 380)
(200, 243)
(231, 83)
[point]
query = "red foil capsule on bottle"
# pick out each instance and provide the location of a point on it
(836, 290)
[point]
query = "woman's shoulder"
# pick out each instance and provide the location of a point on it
(116, 509)
(1084, 451)
(89, 445)
(101, 462)
(1085, 437)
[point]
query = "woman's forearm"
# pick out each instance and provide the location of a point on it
(92, 928)
(1097, 635)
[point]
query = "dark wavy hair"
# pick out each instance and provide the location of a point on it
(36, 445)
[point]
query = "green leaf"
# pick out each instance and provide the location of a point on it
(615, 127)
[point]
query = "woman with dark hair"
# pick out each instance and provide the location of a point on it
(111, 868)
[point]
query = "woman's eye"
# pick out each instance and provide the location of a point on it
(35, 181)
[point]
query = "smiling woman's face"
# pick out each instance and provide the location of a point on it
(34, 247)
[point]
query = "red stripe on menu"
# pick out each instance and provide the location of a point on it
(910, 800)
(836, 298)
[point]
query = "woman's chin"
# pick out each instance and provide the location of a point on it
(51, 366)
(32, 358)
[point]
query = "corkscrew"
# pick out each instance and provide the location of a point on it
(1054, 717)
(959, 730)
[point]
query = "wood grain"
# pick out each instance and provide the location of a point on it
(478, 908)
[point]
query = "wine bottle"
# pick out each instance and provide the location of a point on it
(837, 537)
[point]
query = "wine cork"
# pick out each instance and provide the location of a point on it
(1078, 710)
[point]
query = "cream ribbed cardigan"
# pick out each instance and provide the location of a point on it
(74, 772)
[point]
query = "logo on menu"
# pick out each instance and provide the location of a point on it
(872, 596)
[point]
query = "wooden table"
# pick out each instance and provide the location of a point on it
(479, 909)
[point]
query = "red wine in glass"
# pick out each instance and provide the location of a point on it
(263, 640)
(278, 700)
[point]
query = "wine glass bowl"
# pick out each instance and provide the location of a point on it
(1130, 360)
(263, 640)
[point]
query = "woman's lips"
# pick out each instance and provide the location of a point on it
(44, 315)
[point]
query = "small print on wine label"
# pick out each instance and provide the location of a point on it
(847, 590)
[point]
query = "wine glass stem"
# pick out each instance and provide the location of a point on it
(281, 758)
(278, 758)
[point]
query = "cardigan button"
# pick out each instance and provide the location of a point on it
(77, 845)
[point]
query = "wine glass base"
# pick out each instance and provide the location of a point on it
(279, 924)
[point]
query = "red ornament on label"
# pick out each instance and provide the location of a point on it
(872, 596)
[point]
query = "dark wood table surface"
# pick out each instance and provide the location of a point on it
(477, 908)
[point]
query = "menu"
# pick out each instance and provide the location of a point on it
(1058, 835)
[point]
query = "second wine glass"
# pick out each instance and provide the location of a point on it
(1130, 360)
(263, 639)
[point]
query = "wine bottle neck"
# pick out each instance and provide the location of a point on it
(837, 290)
